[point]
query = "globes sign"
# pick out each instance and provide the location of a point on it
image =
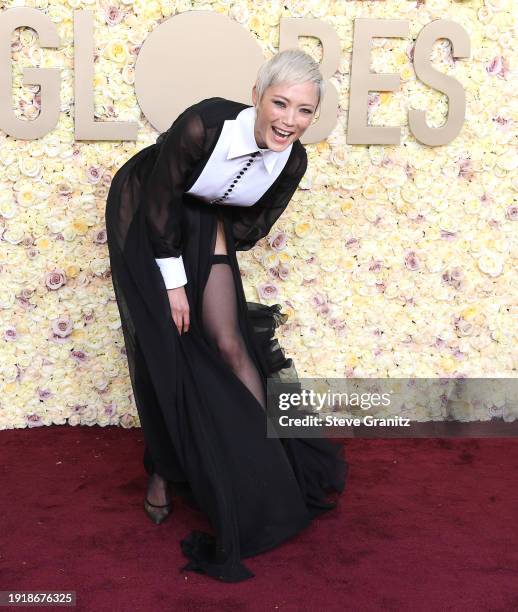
(201, 54)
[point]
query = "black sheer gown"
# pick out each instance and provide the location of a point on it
(203, 415)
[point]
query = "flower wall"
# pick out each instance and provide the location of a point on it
(391, 261)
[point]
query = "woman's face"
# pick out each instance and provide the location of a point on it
(286, 107)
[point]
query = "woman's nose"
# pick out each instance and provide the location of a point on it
(289, 118)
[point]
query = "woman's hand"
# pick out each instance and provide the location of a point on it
(179, 308)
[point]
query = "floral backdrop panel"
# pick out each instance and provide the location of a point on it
(391, 261)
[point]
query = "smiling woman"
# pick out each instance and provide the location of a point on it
(286, 95)
(199, 354)
(284, 113)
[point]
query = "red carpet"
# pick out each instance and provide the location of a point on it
(425, 524)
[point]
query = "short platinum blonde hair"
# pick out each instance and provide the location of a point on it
(289, 66)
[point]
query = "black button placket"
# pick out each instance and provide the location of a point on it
(240, 174)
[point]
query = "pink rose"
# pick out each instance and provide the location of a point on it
(78, 356)
(25, 304)
(93, 174)
(272, 272)
(100, 236)
(373, 99)
(284, 271)
(34, 420)
(110, 409)
(466, 169)
(26, 293)
(497, 67)
(267, 290)
(352, 243)
(55, 279)
(44, 394)
(411, 261)
(88, 316)
(338, 324)
(62, 326)
(278, 240)
(503, 123)
(410, 52)
(127, 421)
(10, 334)
(454, 278)
(113, 15)
(512, 212)
(317, 300)
(324, 309)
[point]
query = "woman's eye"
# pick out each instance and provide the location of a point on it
(307, 111)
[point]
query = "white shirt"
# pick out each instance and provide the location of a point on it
(231, 176)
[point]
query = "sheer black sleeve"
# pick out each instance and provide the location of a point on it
(181, 147)
(251, 224)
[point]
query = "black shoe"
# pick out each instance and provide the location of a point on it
(157, 514)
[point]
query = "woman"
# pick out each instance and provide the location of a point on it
(198, 353)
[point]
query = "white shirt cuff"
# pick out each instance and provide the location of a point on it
(173, 271)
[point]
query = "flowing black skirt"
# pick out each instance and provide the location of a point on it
(203, 428)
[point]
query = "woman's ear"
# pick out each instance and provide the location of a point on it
(254, 95)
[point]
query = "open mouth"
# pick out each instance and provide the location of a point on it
(281, 135)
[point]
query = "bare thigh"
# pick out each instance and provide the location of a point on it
(221, 247)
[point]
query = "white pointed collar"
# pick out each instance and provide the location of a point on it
(243, 140)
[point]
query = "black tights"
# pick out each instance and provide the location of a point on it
(221, 325)
(220, 321)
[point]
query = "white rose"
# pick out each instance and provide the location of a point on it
(100, 266)
(490, 263)
(8, 208)
(14, 234)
